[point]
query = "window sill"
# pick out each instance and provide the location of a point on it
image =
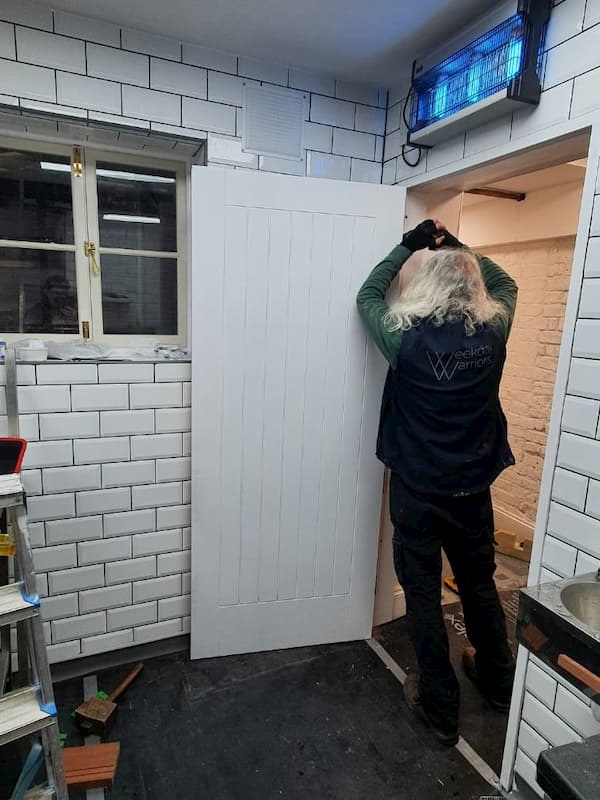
(108, 360)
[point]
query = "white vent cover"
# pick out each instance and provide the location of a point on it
(273, 123)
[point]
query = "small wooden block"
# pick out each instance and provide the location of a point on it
(91, 767)
(504, 539)
(526, 545)
(508, 544)
(95, 709)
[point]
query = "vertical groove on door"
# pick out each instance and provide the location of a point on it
(234, 304)
(295, 377)
(356, 353)
(253, 401)
(333, 401)
(313, 401)
(288, 311)
(277, 333)
(340, 512)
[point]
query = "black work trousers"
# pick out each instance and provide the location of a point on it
(463, 527)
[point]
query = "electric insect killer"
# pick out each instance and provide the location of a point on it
(478, 81)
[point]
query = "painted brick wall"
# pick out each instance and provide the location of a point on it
(571, 542)
(107, 473)
(65, 64)
(542, 270)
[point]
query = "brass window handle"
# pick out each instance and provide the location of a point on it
(89, 249)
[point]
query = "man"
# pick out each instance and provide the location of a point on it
(443, 435)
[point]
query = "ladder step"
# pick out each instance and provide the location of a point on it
(11, 490)
(22, 713)
(4, 668)
(15, 605)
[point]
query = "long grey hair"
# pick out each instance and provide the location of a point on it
(446, 288)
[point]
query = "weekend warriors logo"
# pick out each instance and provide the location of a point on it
(446, 365)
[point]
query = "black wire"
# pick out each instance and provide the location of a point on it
(404, 158)
(407, 143)
(406, 101)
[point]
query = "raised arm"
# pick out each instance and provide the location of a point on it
(501, 287)
(372, 306)
(371, 297)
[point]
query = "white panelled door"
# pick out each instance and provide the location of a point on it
(286, 489)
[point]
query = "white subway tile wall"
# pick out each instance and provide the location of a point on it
(32, 481)
(7, 42)
(90, 93)
(333, 167)
(27, 81)
(151, 105)
(109, 500)
(88, 69)
(112, 64)
(161, 630)
(99, 644)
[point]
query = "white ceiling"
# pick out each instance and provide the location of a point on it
(525, 171)
(547, 178)
(359, 40)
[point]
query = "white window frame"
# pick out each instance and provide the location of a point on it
(85, 227)
(81, 275)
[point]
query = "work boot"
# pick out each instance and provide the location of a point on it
(500, 700)
(444, 733)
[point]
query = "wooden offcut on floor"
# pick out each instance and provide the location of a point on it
(91, 767)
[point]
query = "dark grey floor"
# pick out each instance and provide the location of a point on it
(318, 723)
(480, 725)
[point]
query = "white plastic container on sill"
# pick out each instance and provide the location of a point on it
(34, 350)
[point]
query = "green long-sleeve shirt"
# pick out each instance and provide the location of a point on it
(373, 308)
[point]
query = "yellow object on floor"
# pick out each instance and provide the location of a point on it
(451, 583)
(7, 544)
(508, 543)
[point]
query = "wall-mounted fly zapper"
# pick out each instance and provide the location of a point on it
(497, 69)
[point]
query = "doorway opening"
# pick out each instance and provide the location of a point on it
(521, 212)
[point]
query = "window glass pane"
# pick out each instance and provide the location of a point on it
(35, 197)
(37, 291)
(139, 295)
(136, 207)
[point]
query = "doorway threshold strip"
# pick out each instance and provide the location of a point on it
(463, 747)
(90, 687)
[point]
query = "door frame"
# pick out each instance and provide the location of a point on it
(547, 144)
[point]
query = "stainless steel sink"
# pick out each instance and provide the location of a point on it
(575, 600)
(583, 601)
(559, 622)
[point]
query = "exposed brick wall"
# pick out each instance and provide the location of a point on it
(542, 270)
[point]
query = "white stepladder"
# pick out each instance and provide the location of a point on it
(30, 709)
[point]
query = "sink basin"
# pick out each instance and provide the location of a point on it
(559, 622)
(583, 601)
